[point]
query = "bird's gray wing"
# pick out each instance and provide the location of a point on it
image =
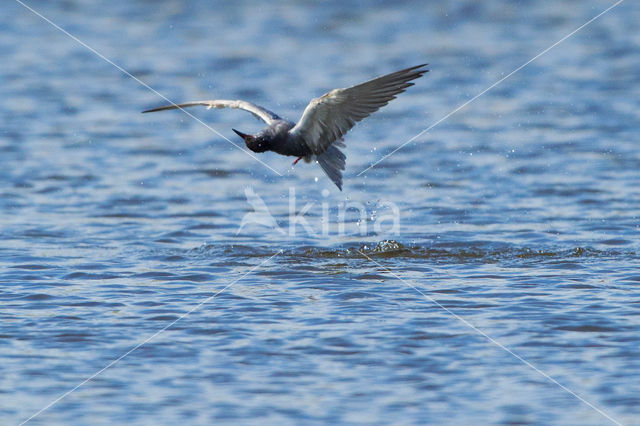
(328, 118)
(261, 113)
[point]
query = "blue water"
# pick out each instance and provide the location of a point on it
(519, 214)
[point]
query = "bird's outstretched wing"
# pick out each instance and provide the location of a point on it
(328, 118)
(261, 113)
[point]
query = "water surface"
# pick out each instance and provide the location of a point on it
(518, 214)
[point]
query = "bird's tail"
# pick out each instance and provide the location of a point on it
(332, 162)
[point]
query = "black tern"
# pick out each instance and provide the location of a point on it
(319, 133)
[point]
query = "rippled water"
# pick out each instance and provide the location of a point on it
(517, 217)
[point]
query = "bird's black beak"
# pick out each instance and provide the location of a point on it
(242, 135)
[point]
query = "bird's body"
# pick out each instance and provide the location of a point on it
(276, 137)
(319, 132)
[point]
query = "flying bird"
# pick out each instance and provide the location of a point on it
(319, 133)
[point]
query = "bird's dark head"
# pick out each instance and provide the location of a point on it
(256, 143)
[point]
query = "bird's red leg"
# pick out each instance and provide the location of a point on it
(296, 162)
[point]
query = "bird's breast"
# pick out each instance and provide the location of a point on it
(290, 145)
(285, 143)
